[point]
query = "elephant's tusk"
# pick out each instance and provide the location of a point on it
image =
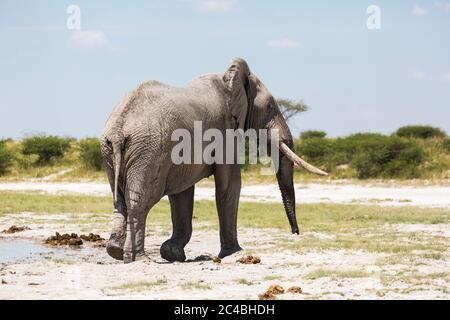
(299, 162)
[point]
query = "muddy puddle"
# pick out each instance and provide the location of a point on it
(14, 250)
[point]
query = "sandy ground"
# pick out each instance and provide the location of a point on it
(32, 271)
(423, 196)
(89, 273)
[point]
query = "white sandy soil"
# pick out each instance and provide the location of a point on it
(90, 273)
(423, 196)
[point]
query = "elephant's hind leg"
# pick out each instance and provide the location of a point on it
(182, 206)
(115, 244)
(137, 211)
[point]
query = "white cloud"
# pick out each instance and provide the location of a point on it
(215, 5)
(442, 6)
(89, 39)
(419, 10)
(284, 43)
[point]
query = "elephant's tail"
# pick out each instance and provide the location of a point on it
(117, 163)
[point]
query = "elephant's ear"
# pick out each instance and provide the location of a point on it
(242, 91)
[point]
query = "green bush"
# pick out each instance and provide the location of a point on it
(6, 158)
(446, 145)
(371, 155)
(46, 148)
(312, 134)
(389, 157)
(90, 153)
(318, 150)
(421, 132)
(331, 153)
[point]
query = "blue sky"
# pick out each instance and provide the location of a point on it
(66, 82)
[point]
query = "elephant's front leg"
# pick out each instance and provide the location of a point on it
(182, 206)
(228, 188)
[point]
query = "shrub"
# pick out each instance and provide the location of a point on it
(446, 145)
(334, 152)
(388, 158)
(312, 134)
(46, 148)
(318, 150)
(90, 153)
(6, 158)
(422, 132)
(371, 155)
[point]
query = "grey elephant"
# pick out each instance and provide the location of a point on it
(136, 146)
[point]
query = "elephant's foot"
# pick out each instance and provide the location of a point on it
(172, 252)
(116, 241)
(228, 251)
(114, 249)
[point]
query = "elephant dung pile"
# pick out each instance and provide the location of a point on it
(14, 229)
(92, 237)
(295, 289)
(271, 292)
(275, 290)
(73, 239)
(249, 260)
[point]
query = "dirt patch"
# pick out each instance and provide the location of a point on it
(73, 239)
(15, 229)
(249, 260)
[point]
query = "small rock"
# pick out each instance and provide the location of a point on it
(217, 260)
(4, 281)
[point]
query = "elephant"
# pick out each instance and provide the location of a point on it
(136, 147)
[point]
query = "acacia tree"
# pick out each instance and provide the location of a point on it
(290, 108)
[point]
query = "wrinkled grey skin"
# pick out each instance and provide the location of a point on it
(136, 145)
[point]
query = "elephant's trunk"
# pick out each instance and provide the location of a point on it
(286, 184)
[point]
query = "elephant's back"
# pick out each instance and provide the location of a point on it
(154, 110)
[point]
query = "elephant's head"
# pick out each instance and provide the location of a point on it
(253, 107)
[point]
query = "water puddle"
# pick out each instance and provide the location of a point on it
(13, 250)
